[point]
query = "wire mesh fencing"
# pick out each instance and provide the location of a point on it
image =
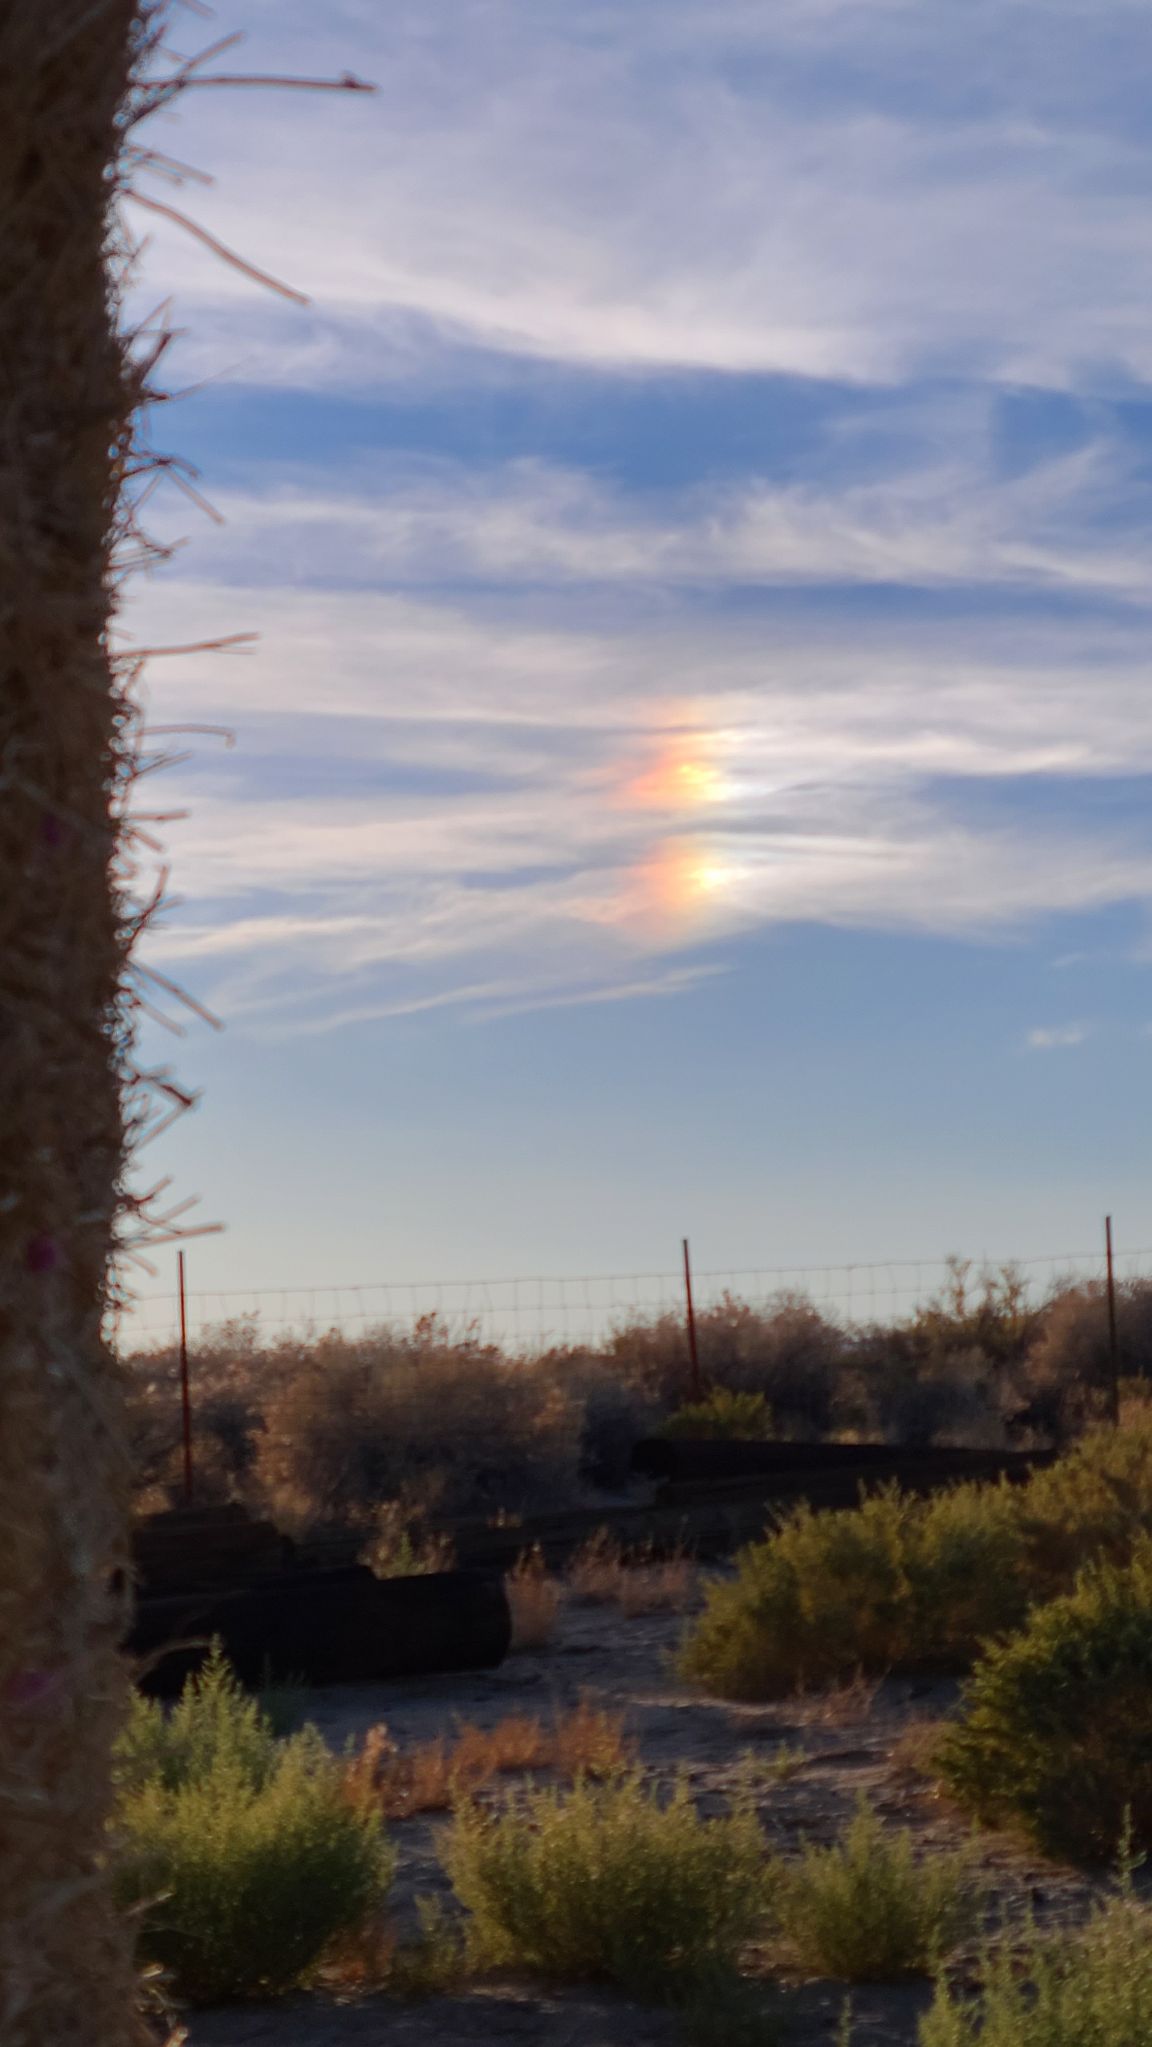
(534, 1312)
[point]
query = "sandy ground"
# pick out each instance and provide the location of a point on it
(625, 1664)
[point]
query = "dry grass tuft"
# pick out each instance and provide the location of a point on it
(596, 1569)
(661, 1585)
(913, 1757)
(603, 1573)
(535, 1599)
(401, 1547)
(843, 1705)
(589, 1742)
(436, 1776)
(428, 1963)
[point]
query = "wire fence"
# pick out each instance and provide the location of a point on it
(539, 1311)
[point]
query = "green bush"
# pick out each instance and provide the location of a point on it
(1070, 1366)
(214, 1724)
(895, 1583)
(246, 1855)
(785, 1350)
(902, 1583)
(740, 1417)
(868, 1910)
(1094, 1501)
(1090, 1990)
(1056, 1732)
(605, 1883)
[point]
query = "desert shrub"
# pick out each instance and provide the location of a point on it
(232, 1383)
(214, 1724)
(1070, 1363)
(992, 1316)
(920, 1400)
(724, 1414)
(868, 1909)
(1096, 1500)
(442, 1420)
(244, 1855)
(606, 1883)
(904, 1583)
(787, 1351)
(615, 1412)
(1055, 1734)
(952, 1371)
(895, 1583)
(1088, 1989)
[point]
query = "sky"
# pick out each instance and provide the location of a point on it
(692, 772)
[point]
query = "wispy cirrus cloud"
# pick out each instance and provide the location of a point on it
(866, 192)
(469, 664)
(1077, 522)
(337, 863)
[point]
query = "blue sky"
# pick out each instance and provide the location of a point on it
(693, 774)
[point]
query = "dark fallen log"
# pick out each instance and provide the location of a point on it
(325, 1627)
(190, 1548)
(704, 1461)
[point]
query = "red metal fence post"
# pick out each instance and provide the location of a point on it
(1113, 1345)
(693, 1350)
(185, 1401)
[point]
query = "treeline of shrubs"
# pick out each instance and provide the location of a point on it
(321, 1428)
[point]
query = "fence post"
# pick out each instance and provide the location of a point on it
(185, 1400)
(693, 1350)
(1113, 1345)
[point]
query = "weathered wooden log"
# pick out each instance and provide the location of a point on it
(190, 1548)
(326, 1627)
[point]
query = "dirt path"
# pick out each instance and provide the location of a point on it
(847, 1743)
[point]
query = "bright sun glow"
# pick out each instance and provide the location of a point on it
(683, 879)
(683, 776)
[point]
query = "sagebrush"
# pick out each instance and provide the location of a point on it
(244, 1855)
(725, 1415)
(1087, 1989)
(1054, 1732)
(896, 1583)
(608, 1883)
(905, 1583)
(869, 1909)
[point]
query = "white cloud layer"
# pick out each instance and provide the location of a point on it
(863, 191)
(948, 521)
(515, 735)
(337, 863)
